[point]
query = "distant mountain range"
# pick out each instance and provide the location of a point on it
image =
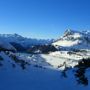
(23, 40)
(20, 42)
(70, 40)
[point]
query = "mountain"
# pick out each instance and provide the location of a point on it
(74, 39)
(22, 43)
(25, 42)
(6, 46)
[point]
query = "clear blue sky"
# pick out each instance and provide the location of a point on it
(43, 18)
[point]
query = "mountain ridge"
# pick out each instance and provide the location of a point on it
(74, 39)
(23, 42)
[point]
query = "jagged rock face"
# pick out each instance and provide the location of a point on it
(74, 39)
(68, 32)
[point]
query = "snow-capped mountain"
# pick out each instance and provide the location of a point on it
(25, 42)
(74, 39)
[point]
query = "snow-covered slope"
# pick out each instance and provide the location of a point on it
(13, 77)
(74, 39)
(6, 45)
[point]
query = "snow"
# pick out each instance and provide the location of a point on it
(4, 44)
(36, 78)
(74, 39)
(25, 42)
(55, 60)
(77, 35)
(66, 43)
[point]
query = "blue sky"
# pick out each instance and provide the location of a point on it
(43, 18)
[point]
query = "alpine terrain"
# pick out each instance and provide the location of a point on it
(32, 64)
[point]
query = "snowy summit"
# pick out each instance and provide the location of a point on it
(74, 39)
